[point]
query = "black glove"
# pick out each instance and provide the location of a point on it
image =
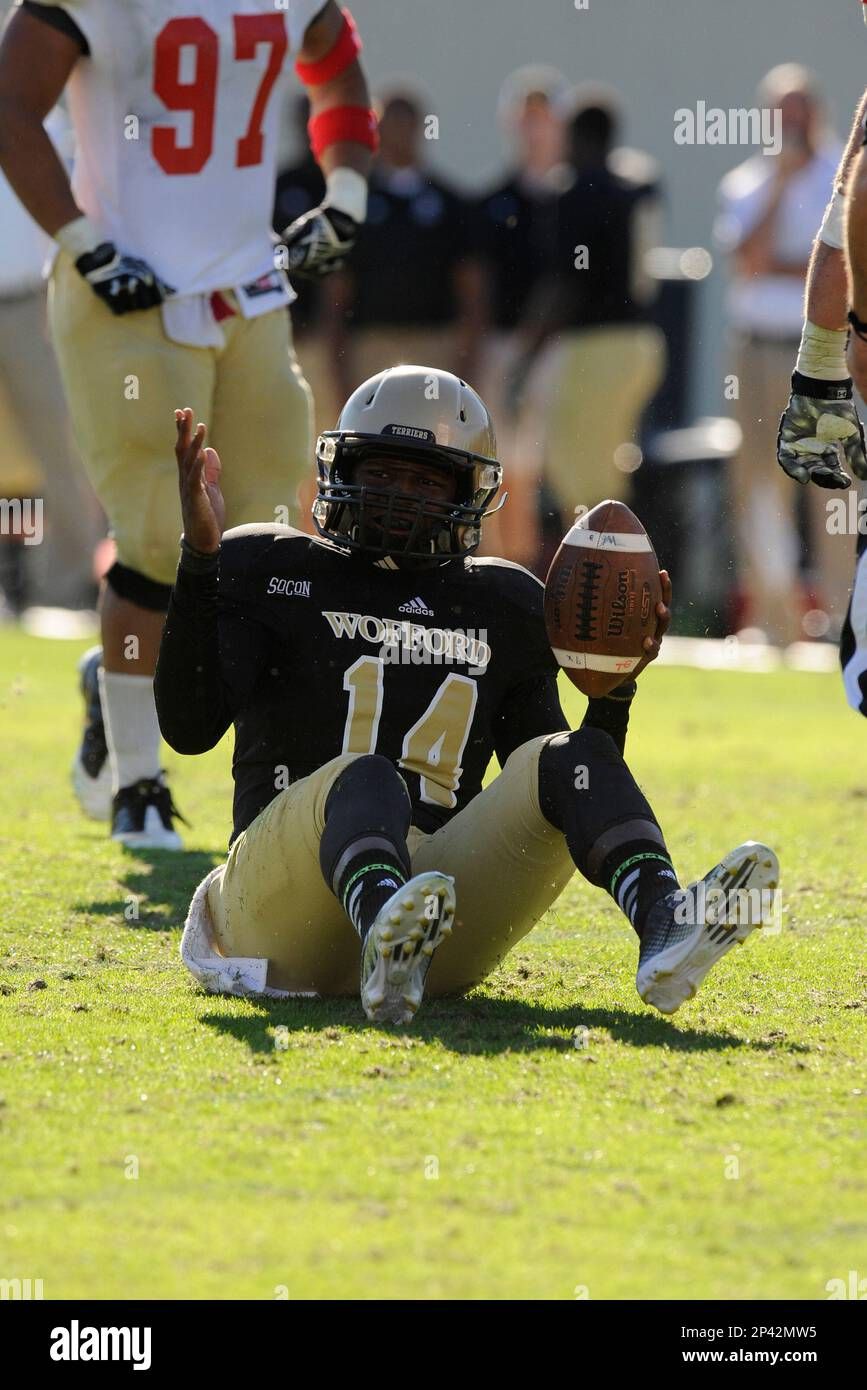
(820, 433)
(124, 283)
(318, 242)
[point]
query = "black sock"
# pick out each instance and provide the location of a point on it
(367, 883)
(637, 875)
(609, 826)
(363, 852)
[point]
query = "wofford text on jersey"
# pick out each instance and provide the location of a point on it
(436, 645)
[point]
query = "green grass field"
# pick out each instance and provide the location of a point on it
(160, 1142)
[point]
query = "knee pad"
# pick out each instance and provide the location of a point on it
(585, 789)
(135, 587)
(368, 807)
(567, 765)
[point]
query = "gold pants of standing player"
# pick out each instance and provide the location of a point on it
(508, 862)
(583, 402)
(123, 379)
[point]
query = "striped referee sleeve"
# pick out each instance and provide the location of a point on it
(853, 639)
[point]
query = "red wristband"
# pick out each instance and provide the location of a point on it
(344, 51)
(356, 124)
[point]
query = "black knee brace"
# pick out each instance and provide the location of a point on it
(587, 791)
(368, 808)
(137, 588)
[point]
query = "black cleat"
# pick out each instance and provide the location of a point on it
(142, 815)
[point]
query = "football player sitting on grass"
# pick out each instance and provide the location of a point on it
(370, 674)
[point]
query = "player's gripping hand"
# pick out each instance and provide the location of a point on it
(820, 435)
(319, 241)
(653, 644)
(202, 506)
(122, 282)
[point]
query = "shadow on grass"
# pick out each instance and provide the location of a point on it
(158, 886)
(482, 1025)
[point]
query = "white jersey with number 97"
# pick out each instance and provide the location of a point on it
(175, 111)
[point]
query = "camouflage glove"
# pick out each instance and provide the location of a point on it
(318, 242)
(820, 434)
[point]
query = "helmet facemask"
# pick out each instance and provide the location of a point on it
(382, 522)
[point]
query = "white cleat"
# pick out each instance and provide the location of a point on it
(398, 948)
(91, 771)
(691, 929)
(92, 793)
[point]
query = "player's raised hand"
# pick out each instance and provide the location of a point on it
(202, 506)
(663, 622)
(820, 435)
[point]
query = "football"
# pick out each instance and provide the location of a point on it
(600, 597)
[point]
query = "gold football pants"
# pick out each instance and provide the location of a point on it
(124, 378)
(508, 862)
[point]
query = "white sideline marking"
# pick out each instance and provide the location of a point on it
(729, 654)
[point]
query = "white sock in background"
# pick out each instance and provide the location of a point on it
(131, 729)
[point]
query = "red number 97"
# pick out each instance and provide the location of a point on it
(197, 96)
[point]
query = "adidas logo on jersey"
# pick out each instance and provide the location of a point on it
(416, 606)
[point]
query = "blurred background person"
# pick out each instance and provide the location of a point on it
(37, 457)
(514, 242)
(769, 208)
(410, 293)
(589, 358)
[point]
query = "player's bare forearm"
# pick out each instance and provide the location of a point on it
(826, 296)
(349, 88)
(35, 62)
(853, 174)
(856, 236)
(34, 171)
(856, 245)
(853, 144)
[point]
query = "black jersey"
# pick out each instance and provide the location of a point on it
(599, 211)
(312, 652)
(403, 262)
(515, 234)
